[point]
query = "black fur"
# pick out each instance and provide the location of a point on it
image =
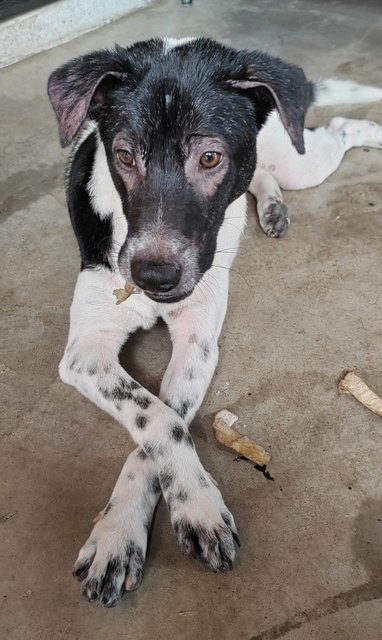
(141, 421)
(161, 101)
(94, 235)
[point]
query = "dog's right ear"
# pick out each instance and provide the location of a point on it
(78, 83)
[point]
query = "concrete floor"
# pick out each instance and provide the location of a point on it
(302, 310)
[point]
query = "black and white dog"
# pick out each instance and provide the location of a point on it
(167, 136)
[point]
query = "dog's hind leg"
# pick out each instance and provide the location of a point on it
(325, 149)
(272, 212)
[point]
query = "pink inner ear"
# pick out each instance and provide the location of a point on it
(72, 118)
(71, 104)
(296, 136)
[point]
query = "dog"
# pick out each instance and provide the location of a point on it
(168, 136)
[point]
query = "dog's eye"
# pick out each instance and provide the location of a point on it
(210, 159)
(126, 157)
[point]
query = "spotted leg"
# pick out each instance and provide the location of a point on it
(204, 526)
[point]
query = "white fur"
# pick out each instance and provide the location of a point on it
(172, 43)
(332, 92)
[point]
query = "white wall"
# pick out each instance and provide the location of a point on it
(54, 24)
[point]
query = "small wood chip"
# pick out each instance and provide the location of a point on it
(245, 446)
(354, 385)
(126, 292)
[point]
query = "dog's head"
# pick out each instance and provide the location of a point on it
(179, 123)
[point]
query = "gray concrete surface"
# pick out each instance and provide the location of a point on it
(302, 310)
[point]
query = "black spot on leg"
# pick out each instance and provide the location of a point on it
(182, 496)
(92, 369)
(155, 484)
(142, 454)
(185, 406)
(203, 481)
(206, 350)
(177, 433)
(193, 339)
(189, 373)
(107, 367)
(131, 475)
(153, 449)
(142, 402)
(121, 391)
(141, 421)
(166, 478)
(73, 362)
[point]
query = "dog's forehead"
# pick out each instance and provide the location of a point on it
(181, 88)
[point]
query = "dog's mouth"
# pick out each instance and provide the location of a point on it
(167, 297)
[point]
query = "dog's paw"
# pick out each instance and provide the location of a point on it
(275, 221)
(111, 561)
(204, 527)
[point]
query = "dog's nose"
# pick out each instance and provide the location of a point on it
(155, 276)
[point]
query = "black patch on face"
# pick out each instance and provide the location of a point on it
(166, 479)
(142, 454)
(157, 100)
(141, 421)
(177, 433)
(142, 402)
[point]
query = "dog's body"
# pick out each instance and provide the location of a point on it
(164, 154)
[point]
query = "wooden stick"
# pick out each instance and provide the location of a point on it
(243, 445)
(353, 384)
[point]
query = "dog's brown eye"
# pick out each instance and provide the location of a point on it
(126, 157)
(210, 159)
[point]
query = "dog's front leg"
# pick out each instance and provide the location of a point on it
(203, 525)
(272, 212)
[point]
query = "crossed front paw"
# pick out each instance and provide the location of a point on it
(204, 527)
(111, 561)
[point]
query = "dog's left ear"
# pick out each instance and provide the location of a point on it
(82, 81)
(276, 84)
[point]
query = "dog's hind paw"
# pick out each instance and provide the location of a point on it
(274, 221)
